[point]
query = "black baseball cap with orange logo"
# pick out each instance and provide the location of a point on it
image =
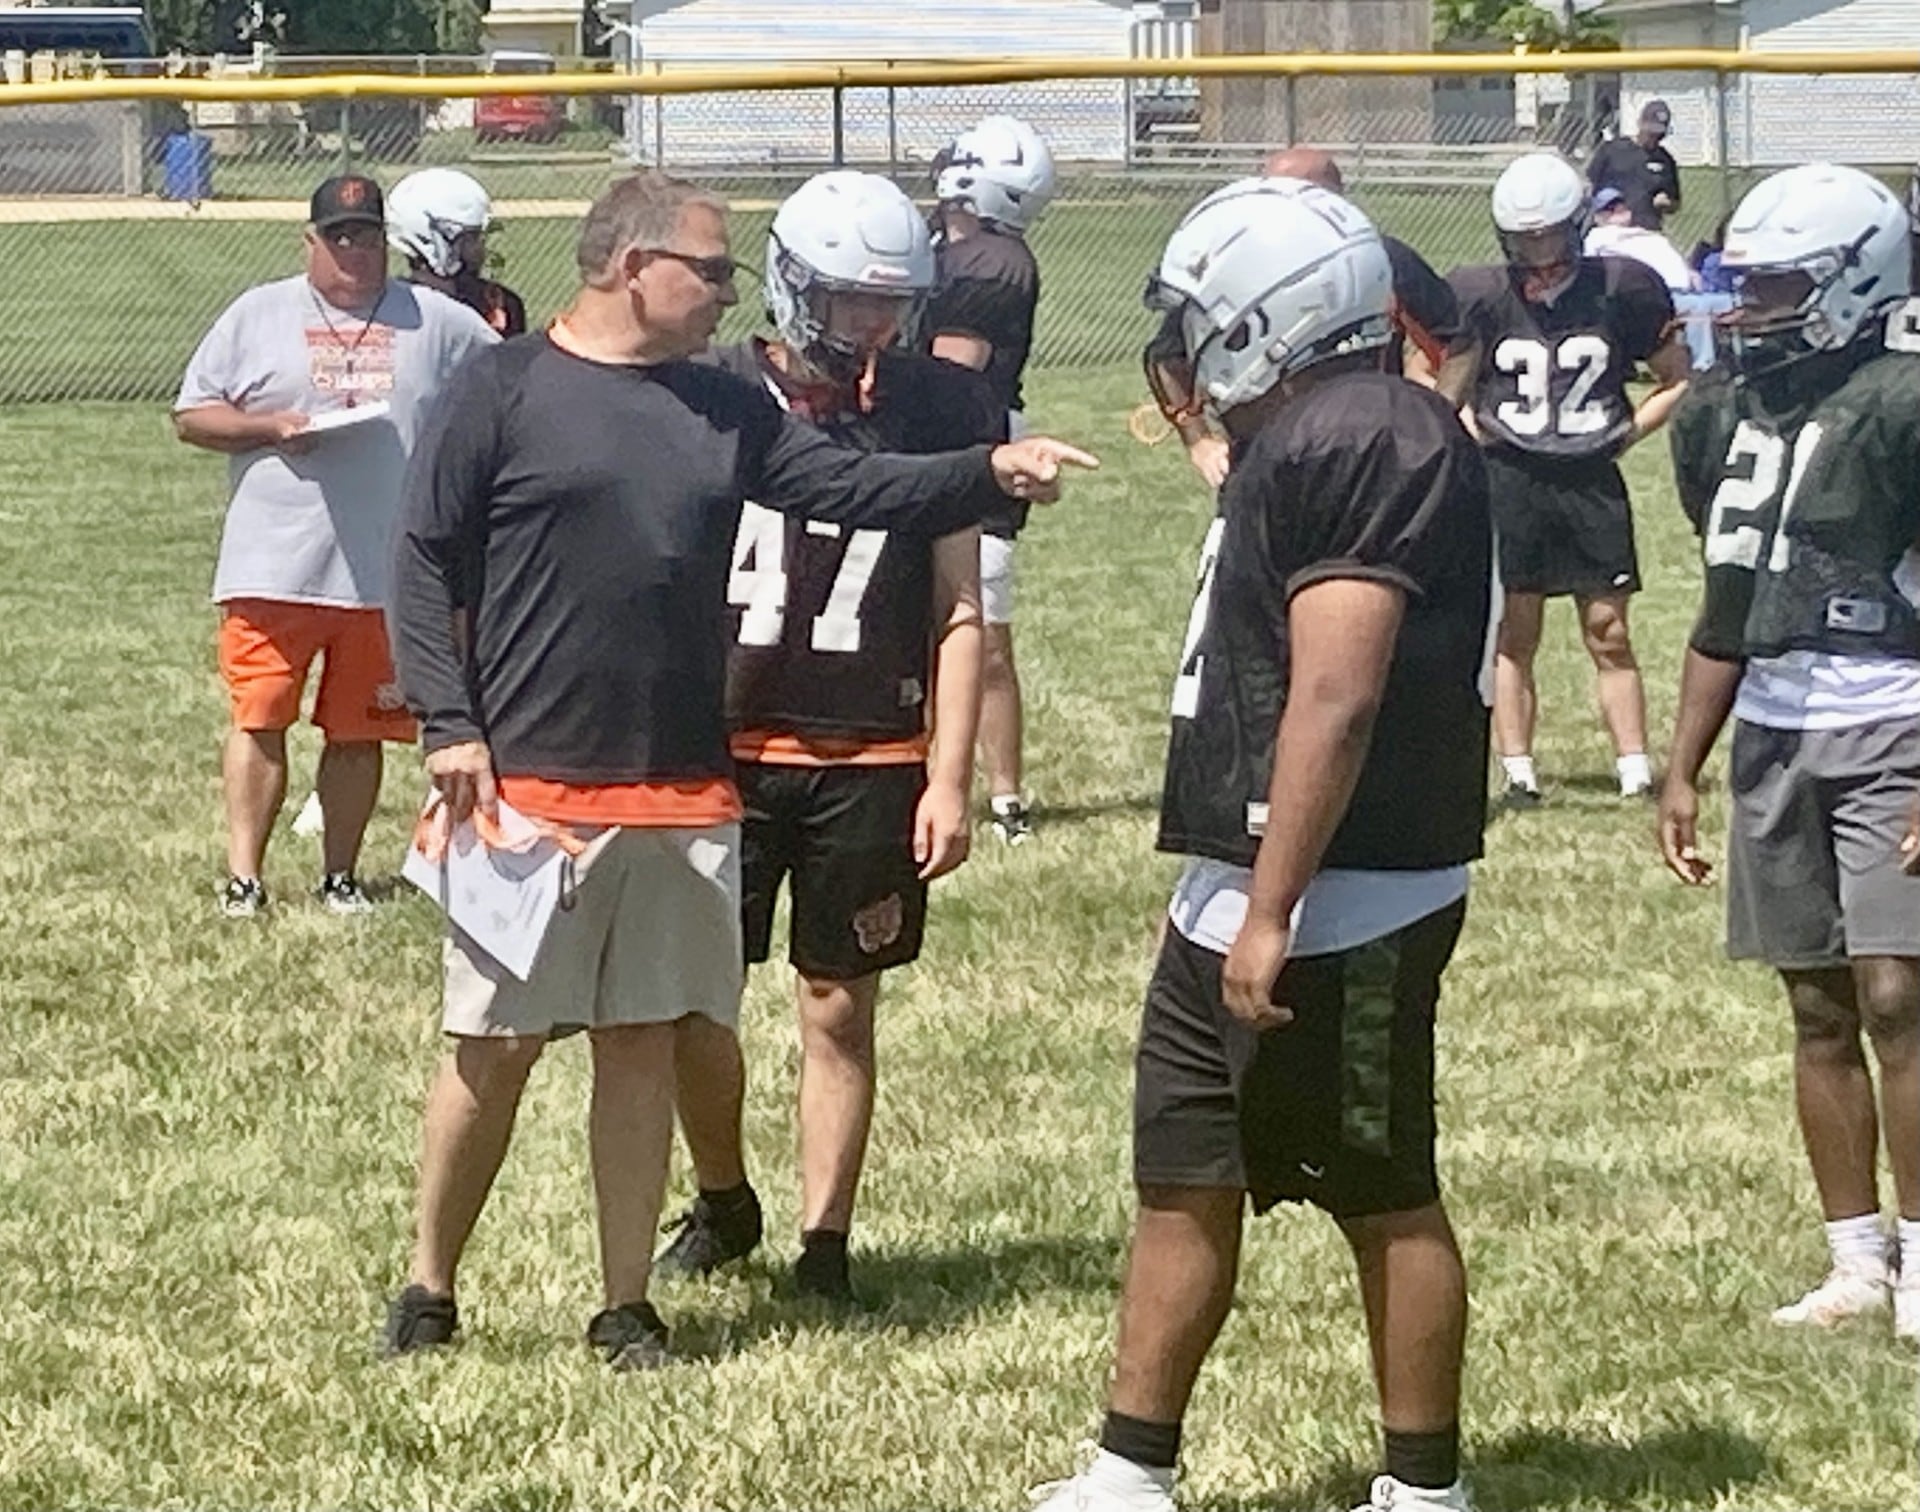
(345, 199)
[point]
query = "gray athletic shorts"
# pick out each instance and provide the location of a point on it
(1813, 853)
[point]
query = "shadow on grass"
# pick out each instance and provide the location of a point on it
(1099, 808)
(909, 1291)
(1542, 1467)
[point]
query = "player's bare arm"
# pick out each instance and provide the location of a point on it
(1457, 372)
(1341, 633)
(229, 429)
(942, 829)
(1707, 688)
(1672, 367)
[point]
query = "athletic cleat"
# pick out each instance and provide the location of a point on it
(1844, 1294)
(823, 1273)
(1906, 1311)
(1012, 821)
(629, 1337)
(418, 1319)
(341, 893)
(1518, 795)
(1108, 1484)
(1390, 1495)
(712, 1234)
(243, 897)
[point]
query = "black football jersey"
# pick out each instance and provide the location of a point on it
(1808, 486)
(1553, 377)
(832, 626)
(1364, 476)
(988, 286)
(1426, 311)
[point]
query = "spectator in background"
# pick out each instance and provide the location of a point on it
(438, 219)
(303, 555)
(1707, 262)
(1641, 169)
(1615, 235)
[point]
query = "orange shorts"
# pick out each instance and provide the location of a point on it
(266, 647)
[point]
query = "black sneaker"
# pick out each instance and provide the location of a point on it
(631, 1336)
(243, 898)
(419, 1319)
(341, 893)
(715, 1231)
(822, 1272)
(1519, 796)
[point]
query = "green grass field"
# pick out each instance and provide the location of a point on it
(207, 1131)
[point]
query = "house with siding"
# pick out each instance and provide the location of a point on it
(1777, 119)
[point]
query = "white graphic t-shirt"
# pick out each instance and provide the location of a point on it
(314, 526)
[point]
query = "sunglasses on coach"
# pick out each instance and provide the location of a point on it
(718, 271)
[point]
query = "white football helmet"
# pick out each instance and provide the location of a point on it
(429, 211)
(843, 232)
(1541, 191)
(1001, 170)
(1265, 277)
(1817, 253)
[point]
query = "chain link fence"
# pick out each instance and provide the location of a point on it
(125, 226)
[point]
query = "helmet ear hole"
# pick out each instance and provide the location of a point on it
(1236, 340)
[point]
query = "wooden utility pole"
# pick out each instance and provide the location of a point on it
(1332, 112)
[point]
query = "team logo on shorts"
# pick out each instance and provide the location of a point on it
(878, 925)
(388, 699)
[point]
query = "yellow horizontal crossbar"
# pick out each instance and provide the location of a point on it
(925, 75)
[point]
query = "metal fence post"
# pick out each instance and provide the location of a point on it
(1724, 130)
(1127, 123)
(893, 132)
(839, 126)
(346, 134)
(1290, 96)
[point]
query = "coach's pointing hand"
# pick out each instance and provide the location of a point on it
(463, 773)
(1252, 967)
(1029, 469)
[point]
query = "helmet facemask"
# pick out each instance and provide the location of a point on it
(836, 328)
(1545, 258)
(1780, 314)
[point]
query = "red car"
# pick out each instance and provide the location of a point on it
(527, 118)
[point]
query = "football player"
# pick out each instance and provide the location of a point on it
(1809, 465)
(437, 219)
(992, 182)
(1560, 334)
(853, 652)
(1326, 781)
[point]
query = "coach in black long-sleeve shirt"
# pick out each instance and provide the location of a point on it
(573, 504)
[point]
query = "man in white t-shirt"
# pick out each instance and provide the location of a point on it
(1615, 235)
(314, 387)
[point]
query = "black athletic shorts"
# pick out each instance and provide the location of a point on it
(1335, 1109)
(1565, 525)
(844, 835)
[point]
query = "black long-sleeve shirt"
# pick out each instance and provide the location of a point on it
(583, 515)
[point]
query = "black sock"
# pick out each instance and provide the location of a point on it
(1154, 1445)
(1428, 1460)
(728, 1199)
(823, 1241)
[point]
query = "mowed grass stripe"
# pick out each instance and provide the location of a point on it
(207, 1133)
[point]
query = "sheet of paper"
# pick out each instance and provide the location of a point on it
(504, 898)
(339, 419)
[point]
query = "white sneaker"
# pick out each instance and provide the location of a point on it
(1906, 1310)
(1390, 1495)
(1109, 1484)
(1844, 1294)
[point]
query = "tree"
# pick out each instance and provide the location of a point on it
(318, 26)
(1569, 25)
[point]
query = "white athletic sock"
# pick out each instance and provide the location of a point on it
(1519, 770)
(1859, 1245)
(1636, 773)
(1909, 1232)
(1007, 803)
(1122, 1476)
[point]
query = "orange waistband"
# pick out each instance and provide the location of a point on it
(777, 748)
(693, 804)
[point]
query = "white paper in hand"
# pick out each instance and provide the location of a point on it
(502, 896)
(340, 419)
